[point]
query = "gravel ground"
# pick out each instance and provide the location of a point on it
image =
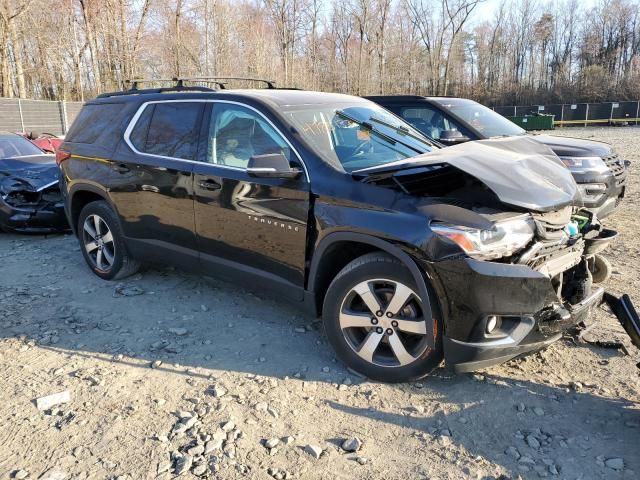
(169, 373)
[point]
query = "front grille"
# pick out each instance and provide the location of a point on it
(551, 257)
(616, 165)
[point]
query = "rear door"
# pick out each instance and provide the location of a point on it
(153, 180)
(249, 228)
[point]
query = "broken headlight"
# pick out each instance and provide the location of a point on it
(506, 238)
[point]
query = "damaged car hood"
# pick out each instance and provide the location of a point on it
(520, 171)
(33, 172)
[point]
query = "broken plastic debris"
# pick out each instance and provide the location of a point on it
(44, 403)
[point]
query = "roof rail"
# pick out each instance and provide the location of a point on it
(155, 90)
(179, 85)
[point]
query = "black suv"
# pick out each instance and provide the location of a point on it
(409, 252)
(597, 168)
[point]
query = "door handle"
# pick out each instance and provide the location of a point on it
(121, 168)
(210, 185)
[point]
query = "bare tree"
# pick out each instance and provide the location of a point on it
(527, 51)
(9, 15)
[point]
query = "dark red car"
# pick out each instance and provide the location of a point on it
(45, 141)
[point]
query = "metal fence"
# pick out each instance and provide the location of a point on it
(605, 113)
(43, 116)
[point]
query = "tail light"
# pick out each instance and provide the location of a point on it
(62, 156)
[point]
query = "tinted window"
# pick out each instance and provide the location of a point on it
(430, 121)
(355, 136)
(483, 119)
(138, 136)
(92, 121)
(237, 133)
(16, 146)
(168, 129)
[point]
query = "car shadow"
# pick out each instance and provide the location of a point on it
(571, 439)
(201, 328)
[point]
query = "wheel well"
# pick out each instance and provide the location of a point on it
(78, 201)
(334, 259)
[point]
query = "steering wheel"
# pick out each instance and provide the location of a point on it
(362, 148)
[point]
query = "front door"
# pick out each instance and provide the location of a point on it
(250, 228)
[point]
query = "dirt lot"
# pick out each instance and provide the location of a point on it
(170, 372)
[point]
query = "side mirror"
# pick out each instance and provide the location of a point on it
(452, 137)
(273, 165)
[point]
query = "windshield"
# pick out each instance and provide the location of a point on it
(16, 146)
(487, 122)
(358, 136)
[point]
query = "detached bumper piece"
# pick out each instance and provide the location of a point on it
(626, 313)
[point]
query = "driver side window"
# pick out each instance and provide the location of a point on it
(237, 133)
(429, 121)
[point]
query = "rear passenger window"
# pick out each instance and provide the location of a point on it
(168, 129)
(92, 121)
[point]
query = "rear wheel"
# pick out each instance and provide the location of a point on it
(102, 242)
(374, 318)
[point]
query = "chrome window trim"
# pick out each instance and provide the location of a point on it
(138, 114)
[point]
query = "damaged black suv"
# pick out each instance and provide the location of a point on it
(410, 253)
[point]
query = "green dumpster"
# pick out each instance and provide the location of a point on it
(534, 122)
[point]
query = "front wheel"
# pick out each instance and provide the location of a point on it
(374, 319)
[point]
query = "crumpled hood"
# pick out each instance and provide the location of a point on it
(520, 171)
(33, 172)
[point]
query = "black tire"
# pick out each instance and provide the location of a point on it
(377, 268)
(600, 269)
(122, 264)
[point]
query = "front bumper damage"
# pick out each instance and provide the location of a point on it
(522, 301)
(26, 207)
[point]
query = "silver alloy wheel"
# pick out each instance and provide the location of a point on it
(382, 321)
(98, 242)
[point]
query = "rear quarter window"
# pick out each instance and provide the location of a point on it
(93, 122)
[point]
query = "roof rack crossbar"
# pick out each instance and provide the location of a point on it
(134, 83)
(270, 83)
